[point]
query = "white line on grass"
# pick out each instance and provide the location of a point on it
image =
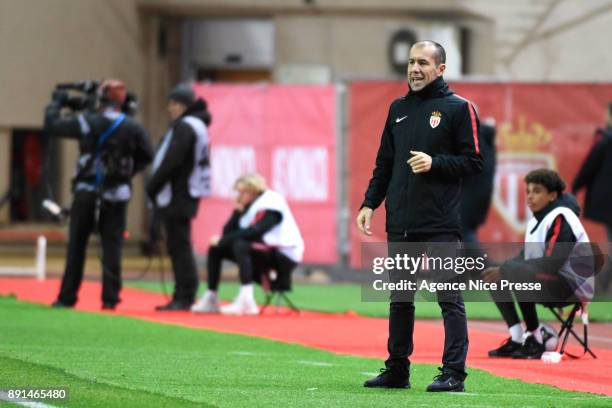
(315, 363)
(496, 394)
(372, 374)
(244, 353)
(24, 402)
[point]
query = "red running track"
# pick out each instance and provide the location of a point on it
(345, 334)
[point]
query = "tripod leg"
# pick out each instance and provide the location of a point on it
(266, 303)
(289, 302)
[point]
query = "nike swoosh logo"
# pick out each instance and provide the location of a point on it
(398, 120)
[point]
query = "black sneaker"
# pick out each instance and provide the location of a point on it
(531, 349)
(506, 349)
(109, 305)
(388, 378)
(58, 304)
(446, 382)
(173, 306)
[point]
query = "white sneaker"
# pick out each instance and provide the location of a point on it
(241, 306)
(209, 303)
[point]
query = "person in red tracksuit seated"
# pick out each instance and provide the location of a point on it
(550, 239)
(260, 235)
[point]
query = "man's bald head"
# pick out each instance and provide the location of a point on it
(439, 52)
(426, 63)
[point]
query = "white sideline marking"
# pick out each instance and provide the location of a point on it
(316, 363)
(24, 402)
(311, 389)
(496, 394)
(244, 353)
(305, 362)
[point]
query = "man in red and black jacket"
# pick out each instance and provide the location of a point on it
(429, 143)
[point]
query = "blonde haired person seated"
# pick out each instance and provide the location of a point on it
(260, 235)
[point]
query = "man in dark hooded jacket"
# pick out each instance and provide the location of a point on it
(429, 143)
(478, 188)
(595, 174)
(181, 176)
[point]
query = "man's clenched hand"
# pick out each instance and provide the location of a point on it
(364, 220)
(420, 162)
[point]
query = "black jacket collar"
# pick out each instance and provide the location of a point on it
(564, 200)
(197, 109)
(539, 215)
(437, 87)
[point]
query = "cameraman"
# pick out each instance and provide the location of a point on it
(113, 148)
(180, 177)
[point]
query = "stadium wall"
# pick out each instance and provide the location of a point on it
(45, 42)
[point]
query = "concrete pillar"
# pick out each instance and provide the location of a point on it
(5, 169)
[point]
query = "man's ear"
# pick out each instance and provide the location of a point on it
(441, 69)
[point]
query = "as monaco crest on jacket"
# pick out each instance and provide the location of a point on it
(435, 119)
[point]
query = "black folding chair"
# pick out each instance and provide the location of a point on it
(567, 326)
(276, 291)
(273, 272)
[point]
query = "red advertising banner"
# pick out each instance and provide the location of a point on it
(538, 125)
(286, 133)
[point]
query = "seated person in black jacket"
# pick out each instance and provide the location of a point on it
(550, 242)
(260, 235)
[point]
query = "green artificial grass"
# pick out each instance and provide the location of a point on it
(116, 361)
(81, 391)
(341, 298)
